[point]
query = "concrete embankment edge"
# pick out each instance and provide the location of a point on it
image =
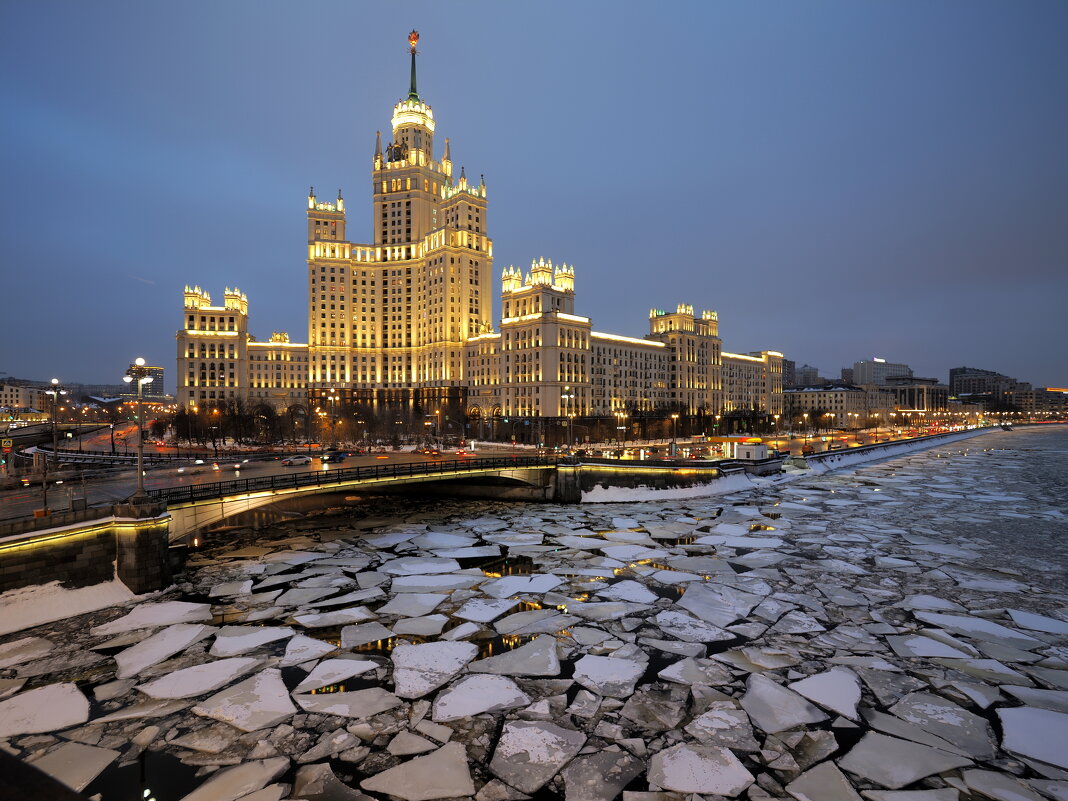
(821, 463)
(815, 465)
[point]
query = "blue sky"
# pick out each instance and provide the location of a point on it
(839, 180)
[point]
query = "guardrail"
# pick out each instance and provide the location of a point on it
(318, 478)
(152, 456)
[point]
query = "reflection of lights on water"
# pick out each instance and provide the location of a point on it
(333, 688)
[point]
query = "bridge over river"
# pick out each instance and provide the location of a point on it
(133, 540)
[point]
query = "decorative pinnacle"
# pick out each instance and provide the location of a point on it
(413, 40)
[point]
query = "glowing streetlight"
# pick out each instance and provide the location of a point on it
(138, 372)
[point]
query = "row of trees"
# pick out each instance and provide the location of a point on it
(236, 422)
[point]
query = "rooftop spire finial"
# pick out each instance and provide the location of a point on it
(413, 40)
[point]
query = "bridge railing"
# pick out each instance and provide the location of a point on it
(319, 478)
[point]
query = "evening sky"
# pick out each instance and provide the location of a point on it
(839, 180)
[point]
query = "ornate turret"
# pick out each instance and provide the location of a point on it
(378, 150)
(541, 273)
(311, 197)
(196, 298)
(340, 201)
(564, 278)
(235, 300)
(511, 279)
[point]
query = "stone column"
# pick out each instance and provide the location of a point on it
(568, 489)
(142, 552)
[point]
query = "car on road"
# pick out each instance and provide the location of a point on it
(334, 456)
(291, 461)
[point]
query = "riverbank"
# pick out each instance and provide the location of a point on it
(809, 637)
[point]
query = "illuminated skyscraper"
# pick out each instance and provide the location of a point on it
(387, 321)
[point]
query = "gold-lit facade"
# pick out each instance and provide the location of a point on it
(406, 319)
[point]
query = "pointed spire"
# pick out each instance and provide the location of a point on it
(339, 195)
(448, 150)
(463, 178)
(378, 143)
(413, 40)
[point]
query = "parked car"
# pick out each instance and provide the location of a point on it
(291, 461)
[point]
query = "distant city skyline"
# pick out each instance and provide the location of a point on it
(838, 182)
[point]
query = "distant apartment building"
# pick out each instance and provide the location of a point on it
(19, 396)
(876, 371)
(153, 390)
(789, 372)
(974, 381)
(830, 406)
(918, 394)
(806, 376)
(753, 381)
(219, 362)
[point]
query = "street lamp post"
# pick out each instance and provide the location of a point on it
(333, 398)
(55, 392)
(139, 373)
(674, 431)
(567, 398)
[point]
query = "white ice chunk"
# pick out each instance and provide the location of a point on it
(442, 774)
(481, 610)
(419, 566)
(146, 616)
(341, 617)
(75, 764)
(419, 669)
(629, 590)
(473, 695)
(255, 703)
(837, 689)
(23, 650)
(436, 583)
(159, 646)
(363, 633)
(48, 708)
(774, 708)
(894, 763)
(302, 649)
(529, 754)
(1035, 733)
(606, 675)
(705, 769)
(822, 783)
(536, 658)
(507, 586)
(199, 679)
(981, 629)
(412, 604)
(358, 704)
(334, 671)
(235, 640)
(1029, 620)
(233, 783)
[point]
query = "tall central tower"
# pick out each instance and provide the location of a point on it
(387, 321)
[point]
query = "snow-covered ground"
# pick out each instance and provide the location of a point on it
(891, 632)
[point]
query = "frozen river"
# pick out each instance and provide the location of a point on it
(897, 630)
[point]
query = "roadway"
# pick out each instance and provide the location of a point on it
(111, 485)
